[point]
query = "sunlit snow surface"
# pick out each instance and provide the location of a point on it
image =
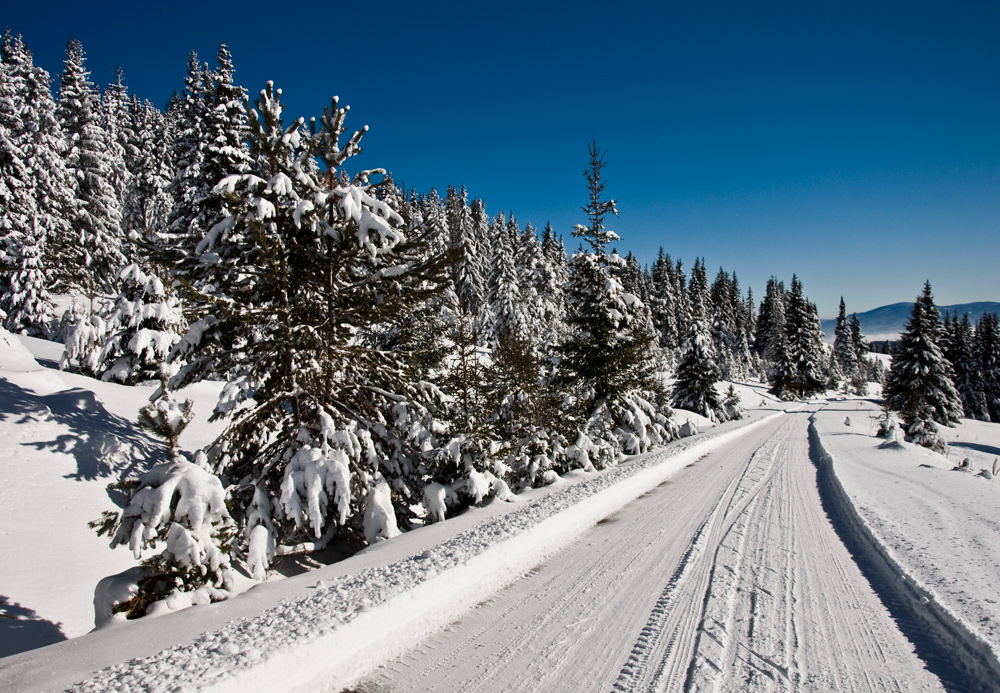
(63, 438)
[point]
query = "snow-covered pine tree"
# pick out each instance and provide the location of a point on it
(468, 270)
(682, 304)
(771, 325)
(987, 348)
(147, 202)
(17, 198)
(180, 505)
(960, 350)
(98, 217)
(480, 231)
(609, 355)
(844, 353)
(919, 384)
(312, 268)
(506, 303)
(115, 120)
(661, 304)
(528, 266)
(866, 369)
(222, 152)
(141, 329)
(522, 415)
(550, 282)
(697, 371)
(55, 204)
(189, 186)
(726, 327)
(26, 301)
(805, 344)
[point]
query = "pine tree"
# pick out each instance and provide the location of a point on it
(609, 355)
(961, 353)
(919, 384)
(184, 227)
(148, 203)
(26, 301)
(468, 270)
(116, 122)
(848, 351)
(662, 303)
(143, 326)
(506, 303)
(98, 218)
(17, 195)
(522, 414)
(805, 344)
(313, 269)
(864, 369)
(771, 341)
(697, 375)
(987, 347)
(597, 208)
(36, 134)
(181, 506)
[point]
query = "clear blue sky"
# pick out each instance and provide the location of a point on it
(857, 145)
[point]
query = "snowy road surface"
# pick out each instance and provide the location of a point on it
(729, 576)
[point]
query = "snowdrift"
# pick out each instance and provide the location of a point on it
(333, 625)
(916, 570)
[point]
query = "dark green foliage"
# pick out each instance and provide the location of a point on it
(919, 384)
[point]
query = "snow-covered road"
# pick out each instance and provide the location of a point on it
(729, 576)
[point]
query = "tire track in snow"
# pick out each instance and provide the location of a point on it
(565, 626)
(689, 583)
(787, 608)
(960, 659)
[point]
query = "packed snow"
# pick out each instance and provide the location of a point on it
(73, 435)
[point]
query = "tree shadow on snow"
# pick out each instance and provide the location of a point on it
(988, 449)
(103, 444)
(21, 629)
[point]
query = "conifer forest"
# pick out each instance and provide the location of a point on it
(387, 357)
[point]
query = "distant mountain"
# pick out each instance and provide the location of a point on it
(888, 322)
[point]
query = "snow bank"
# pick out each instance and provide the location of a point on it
(349, 624)
(927, 538)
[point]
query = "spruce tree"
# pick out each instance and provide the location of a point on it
(190, 186)
(313, 269)
(919, 384)
(609, 355)
(843, 346)
(17, 198)
(805, 344)
(863, 373)
(26, 301)
(961, 353)
(468, 269)
(143, 326)
(697, 375)
(98, 214)
(662, 303)
(987, 347)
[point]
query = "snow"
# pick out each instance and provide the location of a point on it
(939, 529)
(355, 586)
(63, 437)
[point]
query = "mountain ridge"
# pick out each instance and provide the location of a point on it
(887, 322)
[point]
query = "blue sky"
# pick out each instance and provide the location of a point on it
(857, 145)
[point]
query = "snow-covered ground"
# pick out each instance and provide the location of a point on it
(937, 530)
(712, 563)
(63, 439)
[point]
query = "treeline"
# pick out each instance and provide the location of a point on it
(381, 349)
